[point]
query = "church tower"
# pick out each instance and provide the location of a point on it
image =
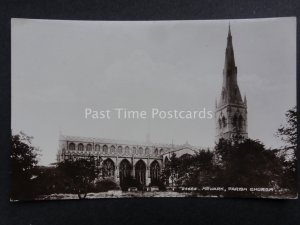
(231, 109)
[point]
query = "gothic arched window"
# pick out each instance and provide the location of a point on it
(234, 120)
(71, 146)
(240, 121)
(105, 149)
(89, 147)
(141, 150)
(154, 172)
(125, 169)
(140, 172)
(224, 121)
(220, 123)
(108, 168)
(147, 151)
(112, 149)
(120, 150)
(127, 151)
(80, 147)
(134, 150)
(97, 147)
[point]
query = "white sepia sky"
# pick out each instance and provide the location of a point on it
(61, 67)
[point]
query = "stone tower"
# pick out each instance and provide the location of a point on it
(231, 110)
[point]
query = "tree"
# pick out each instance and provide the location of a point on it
(170, 171)
(248, 164)
(201, 169)
(288, 133)
(23, 159)
(82, 172)
(190, 170)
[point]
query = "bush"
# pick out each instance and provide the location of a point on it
(131, 182)
(50, 180)
(159, 184)
(104, 185)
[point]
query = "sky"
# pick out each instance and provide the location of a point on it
(60, 68)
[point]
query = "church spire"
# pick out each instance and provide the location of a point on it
(230, 90)
(231, 110)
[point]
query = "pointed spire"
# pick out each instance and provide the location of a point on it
(229, 39)
(230, 90)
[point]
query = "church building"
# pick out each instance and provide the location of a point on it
(120, 159)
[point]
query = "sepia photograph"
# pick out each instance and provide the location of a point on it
(131, 109)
